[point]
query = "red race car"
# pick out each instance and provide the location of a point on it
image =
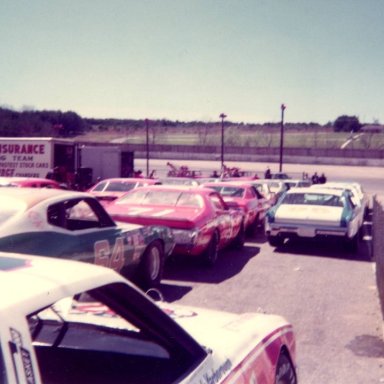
(241, 195)
(29, 182)
(201, 222)
(108, 190)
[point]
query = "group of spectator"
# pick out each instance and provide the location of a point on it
(316, 179)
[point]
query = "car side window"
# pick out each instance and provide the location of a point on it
(76, 214)
(216, 202)
(187, 199)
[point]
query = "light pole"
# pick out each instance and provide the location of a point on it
(281, 137)
(147, 143)
(222, 116)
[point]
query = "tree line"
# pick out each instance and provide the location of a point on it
(70, 124)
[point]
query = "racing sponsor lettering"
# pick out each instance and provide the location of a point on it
(215, 376)
(25, 159)
(38, 149)
(7, 172)
(136, 241)
(19, 353)
(103, 255)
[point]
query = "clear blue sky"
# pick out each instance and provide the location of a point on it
(193, 59)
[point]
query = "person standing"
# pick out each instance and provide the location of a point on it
(315, 178)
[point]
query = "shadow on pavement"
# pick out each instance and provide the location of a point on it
(332, 248)
(229, 264)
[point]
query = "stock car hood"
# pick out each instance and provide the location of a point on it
(169, 216)
(308, 214)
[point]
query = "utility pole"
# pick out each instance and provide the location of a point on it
(222, 116)
(281, 137)
(147, 143)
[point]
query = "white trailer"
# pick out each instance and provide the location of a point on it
(36, 157)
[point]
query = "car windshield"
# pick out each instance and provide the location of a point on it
(312, 199)
(163, 197)
(229, 191)
(118, 186)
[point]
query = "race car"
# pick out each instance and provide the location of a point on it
(72, 322)
(69, 224)
(359, 197)
(201, 222)
(110, 189)
(30, 182)
(314, 213)
(242, 195)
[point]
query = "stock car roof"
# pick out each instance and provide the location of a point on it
(31, 282)
(128, 180)
(180, 188)
(237, 183)
(32, 196)
(326, 191)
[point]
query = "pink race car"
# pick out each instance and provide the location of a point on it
(201, 222)
(242, 195)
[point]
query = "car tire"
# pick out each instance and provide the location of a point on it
(285, 372)
(152, 265)
(239, 240)
(211, 254)
(275, 241)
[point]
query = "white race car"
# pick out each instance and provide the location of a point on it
(314, 213)
(359, 197)
(72, 322)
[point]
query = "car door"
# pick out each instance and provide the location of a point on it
(223, 218)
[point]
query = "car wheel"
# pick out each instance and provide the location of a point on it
(285, 372)
(275, 241)
(152, 265)
(212, 252)
(238, 242)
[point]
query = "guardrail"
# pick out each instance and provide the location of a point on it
(347, 156)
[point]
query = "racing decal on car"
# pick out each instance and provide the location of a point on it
(164, 212)
(96, 309)
(249, 366)
(36, 219)
(12, 263)
(179, 313)
(103, 255)
(136, 241)
(19, 353)
(138, 211)
(216, 375)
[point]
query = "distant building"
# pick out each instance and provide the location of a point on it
(372, 128)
